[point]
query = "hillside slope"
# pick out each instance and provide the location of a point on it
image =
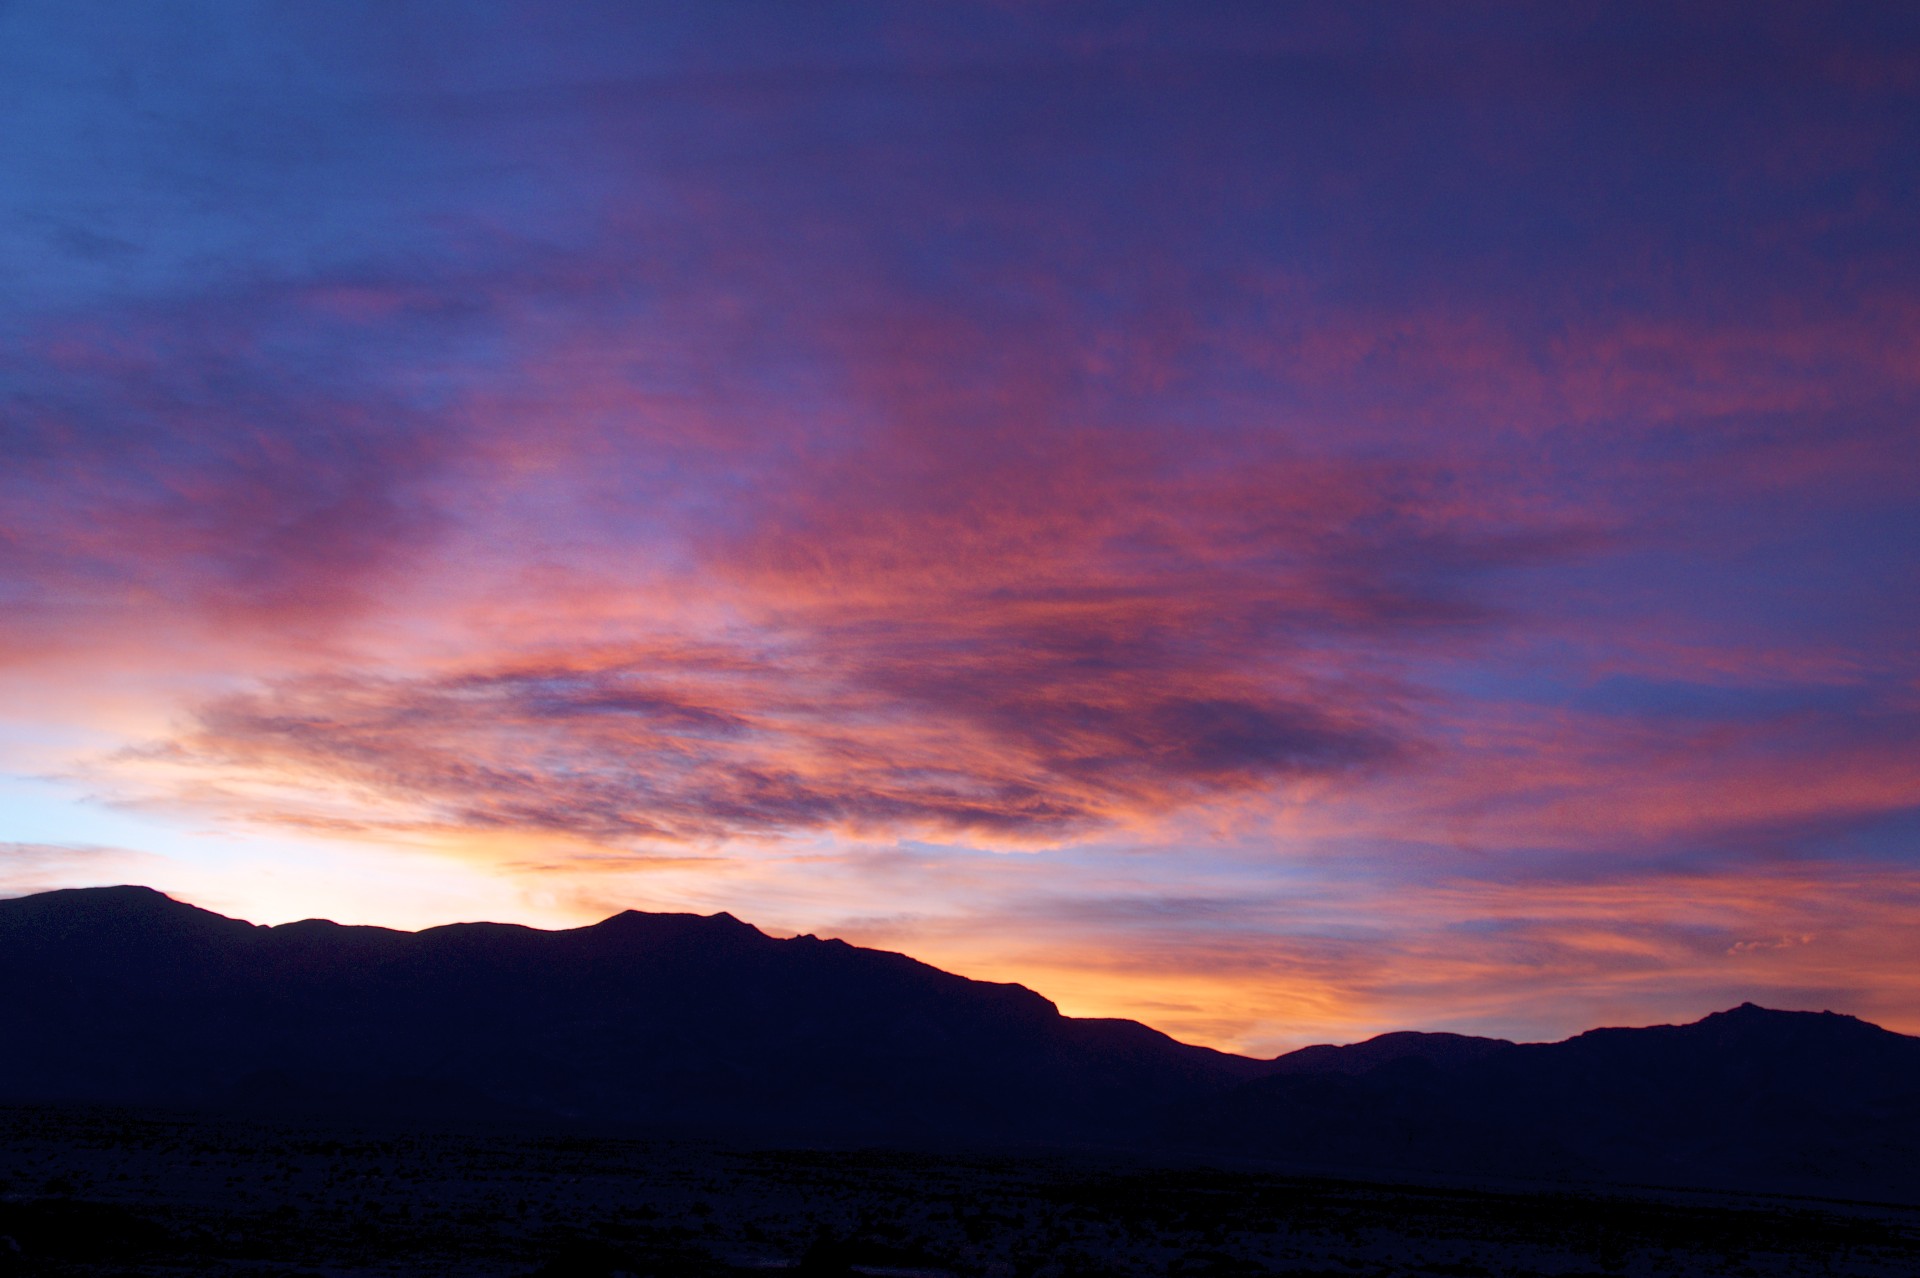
(122, 994)
(1800, 1101)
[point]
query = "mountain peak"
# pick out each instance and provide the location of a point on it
(124, 911)
(636, 920)
(1753, 1014)
(1386, 1049)
(132, 894)
(124, 900)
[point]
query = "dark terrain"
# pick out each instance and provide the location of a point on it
(88, 1191)
(191, 1093)
(659, 1020)
(1803, 1102)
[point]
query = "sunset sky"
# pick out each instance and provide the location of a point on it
(1280, 521)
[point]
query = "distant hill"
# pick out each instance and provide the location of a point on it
(123, 995)
(1806, 1102)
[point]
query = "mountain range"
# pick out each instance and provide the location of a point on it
(705, 1024)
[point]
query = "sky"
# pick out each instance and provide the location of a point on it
(1281, 521)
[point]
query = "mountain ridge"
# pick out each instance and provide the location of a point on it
(704, 1023)
(674, 1019)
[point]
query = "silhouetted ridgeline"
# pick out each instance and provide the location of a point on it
(1806, 1102)
(123, 995)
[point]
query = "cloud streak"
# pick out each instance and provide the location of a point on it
(704, 746)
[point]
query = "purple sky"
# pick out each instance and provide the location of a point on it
(1282, 521)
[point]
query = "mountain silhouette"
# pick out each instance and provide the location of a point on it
(1364, 1058)
(1748, 1098)
(125, 996)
